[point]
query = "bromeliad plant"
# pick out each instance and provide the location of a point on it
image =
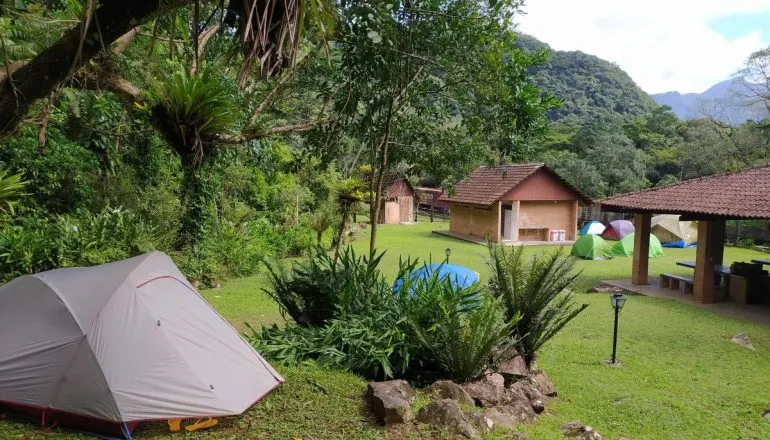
(533, 287)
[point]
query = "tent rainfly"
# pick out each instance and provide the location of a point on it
(669, 229)
(625, 247)
(590, 247)
(592, 227)
(618, 229)
(104, 348)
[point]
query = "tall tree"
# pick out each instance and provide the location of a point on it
(406, 69)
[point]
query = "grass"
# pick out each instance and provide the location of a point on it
(682, 377)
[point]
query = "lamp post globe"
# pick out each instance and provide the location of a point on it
(617, 301)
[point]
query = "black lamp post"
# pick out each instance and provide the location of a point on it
(447, 252)
(617, 301)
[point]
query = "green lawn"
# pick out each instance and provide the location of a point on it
(682, 377)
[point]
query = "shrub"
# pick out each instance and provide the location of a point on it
(373, 344)
(313, 291)
(24, 251)
(348, 316)
(457, 331)
(533, 288)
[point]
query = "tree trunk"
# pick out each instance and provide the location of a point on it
(341, 230)
(37, 78)
(377, 176)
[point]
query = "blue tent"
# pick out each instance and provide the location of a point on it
(592, 227)
(459, 276)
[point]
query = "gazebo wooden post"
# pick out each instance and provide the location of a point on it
(499, 236)
(710, 252)
(639, 270)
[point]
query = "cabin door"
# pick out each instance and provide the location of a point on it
(507, 222)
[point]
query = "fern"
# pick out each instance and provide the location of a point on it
(533, 288)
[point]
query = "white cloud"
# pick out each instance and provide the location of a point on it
(664, 45)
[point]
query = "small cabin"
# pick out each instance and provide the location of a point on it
(398, 200)
(515, 204)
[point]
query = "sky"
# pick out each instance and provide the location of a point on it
(665, 45)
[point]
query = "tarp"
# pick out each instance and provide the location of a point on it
(618, 229)
(590, 247)
(458, 275)
(625, 247)
(669, 229)
(121, 343)
(678, 244)
(592, 227)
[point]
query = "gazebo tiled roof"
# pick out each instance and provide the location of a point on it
(738, 195)
(488, 184)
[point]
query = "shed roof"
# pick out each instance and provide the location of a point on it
(488, 184)
(740, 194)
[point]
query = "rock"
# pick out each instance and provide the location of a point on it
(766, 414)
(514, 366)
(743, 339)
(391, 401)
(480, 421)
(544, 384)
(446, 389)
(487, 391)
(500, 418)
(578, 431)
(605, 288)
(520, 410)
(446, 414)
(526, 390)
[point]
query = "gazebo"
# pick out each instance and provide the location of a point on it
(709, 200)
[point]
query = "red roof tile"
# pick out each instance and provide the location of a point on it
(487, 184)
(741, 194)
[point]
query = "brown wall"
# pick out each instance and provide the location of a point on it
(541, 185)
(478, 222)
(547, 215)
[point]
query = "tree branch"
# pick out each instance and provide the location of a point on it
(277, 86)
(281, 129)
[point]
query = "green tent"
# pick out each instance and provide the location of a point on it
(590, 247)
(625, 247)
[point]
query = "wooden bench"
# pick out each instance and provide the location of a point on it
(673, 281)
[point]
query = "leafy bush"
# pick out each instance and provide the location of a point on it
(79, 239)
(457, 332)
(534, 289)
(347, 316)
(372, 344)
(313, 291)
(24, 251)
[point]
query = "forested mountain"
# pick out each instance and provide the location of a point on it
(726, 101)
(589, 86)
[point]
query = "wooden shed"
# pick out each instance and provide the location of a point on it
(397, 202)
(515, 203)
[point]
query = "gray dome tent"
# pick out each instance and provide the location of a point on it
(106, 347)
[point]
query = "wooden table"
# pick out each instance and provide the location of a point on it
(765, 261)
(721, 273)
(719, 269)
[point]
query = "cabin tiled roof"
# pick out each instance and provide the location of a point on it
(740, 194)
(488, 184)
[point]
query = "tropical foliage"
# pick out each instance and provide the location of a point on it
(534, 289)
(346, 315)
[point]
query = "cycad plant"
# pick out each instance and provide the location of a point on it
(457, 331)
(535, 287)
